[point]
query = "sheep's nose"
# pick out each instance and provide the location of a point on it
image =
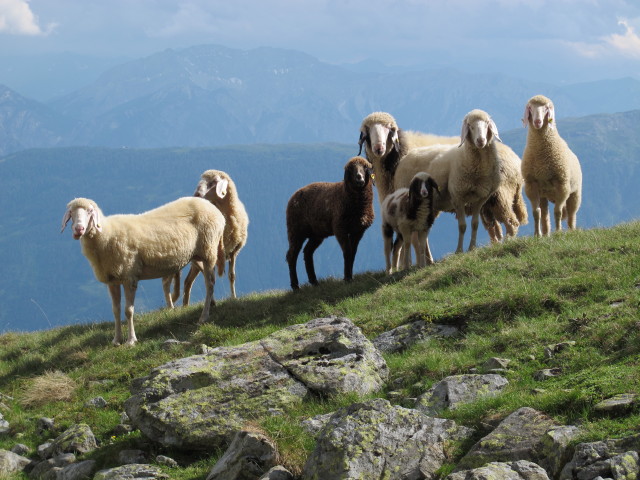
(537, 123)
(79, 229)
(379, 149)
(481, 142)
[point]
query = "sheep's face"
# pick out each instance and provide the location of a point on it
(358, 173)
(535, 114)
(479, 131)
(83, 221)
(212, 187)
(380, 138)
(422, 186)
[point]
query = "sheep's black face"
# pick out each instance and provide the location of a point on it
(357, 175)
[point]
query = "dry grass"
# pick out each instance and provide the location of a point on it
(52, 386)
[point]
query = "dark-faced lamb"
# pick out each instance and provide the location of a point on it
(550, 169)
(320, 210)
(124, 249)
(409, 211)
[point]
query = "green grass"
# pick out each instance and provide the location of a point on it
(510, 300)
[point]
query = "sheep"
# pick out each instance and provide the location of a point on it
(467, 175)
(218, 188)
(320, 210)
(123, 249)
(550, 169)
(405, 211)
(385, 145)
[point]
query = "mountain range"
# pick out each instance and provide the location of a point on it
(212, 95)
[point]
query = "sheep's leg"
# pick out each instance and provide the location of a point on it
(209, 281)
(292, 259)
(114, 292)
(166, 288)
(387, 235)
(310, 247)
(427, 250)
(534, 198)
(353, 240)
(573, 203)
(545, 222)
(397, 251)
(232, 274)
(462, 227)
(129, 299)
(188, 283)
(176, 287)
(421, 253)
(558, 209)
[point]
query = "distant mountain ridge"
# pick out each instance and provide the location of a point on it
(211, 95)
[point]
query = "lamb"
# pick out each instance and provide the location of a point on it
(550, 169)
(407, 211)
(124, 249)
(467, 176)
(320, 210)
(218, 188)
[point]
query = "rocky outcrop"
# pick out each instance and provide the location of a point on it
(201, 401)
(377, 440)
(404, 336)
(617, 459)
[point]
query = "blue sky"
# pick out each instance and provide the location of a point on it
(560, 41)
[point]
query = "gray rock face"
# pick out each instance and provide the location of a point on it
(520, 470)
(404, 336)
(128, 457)
(77, 471)
(49, 468)
(248, 457)
(607, 459)
(277, 473)
(131, 472)
(526, 434)
(77, 439)
(200, 402)
(618, 404)
(377, 440)
(12, 462)
(456, 390)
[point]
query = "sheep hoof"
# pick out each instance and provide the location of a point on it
(131, 343)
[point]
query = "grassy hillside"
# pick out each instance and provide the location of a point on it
(510, 300)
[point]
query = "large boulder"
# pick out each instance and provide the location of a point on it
(12, 462)
(76, 439)
(526, 434)
(520, 470)
(132, 472)
(374, 439)
(200, 402)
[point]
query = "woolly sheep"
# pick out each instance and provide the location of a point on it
(467, 176)
(320, 210)
(407, 211)
(218, 188)
(550, 169)
(123, 249)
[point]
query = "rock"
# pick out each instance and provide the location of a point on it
(43, 450)
(495, 363)
(618, 404)
(546, 374)
(124, 418)
(594, 458)
(625, 466)
(122, 429)
(200, 402)
(77, 471)
(77, 439)
(127, 457)
(171, 343)
(97, 402)
(551, 351)
(374, 439)
(526, 434)
(21, 449)
(4, 425)
(404, 336)
(12, 462)
(248, 457)
(277, 473)
(166, 461)
(520, 470)
(43, 470)
(456, 390)
(44, 425)
(131, 472)
(313, 425)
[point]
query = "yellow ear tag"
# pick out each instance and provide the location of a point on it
(551, 120)
(373, 176)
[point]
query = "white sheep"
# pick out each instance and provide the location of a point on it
(218, 188)
(409, 211)
(467, 175)
(550, 169)
(123, 249)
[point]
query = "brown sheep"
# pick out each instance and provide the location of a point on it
(322, 209)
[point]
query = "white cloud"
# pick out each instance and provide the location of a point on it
(16, 18)
(627, 44)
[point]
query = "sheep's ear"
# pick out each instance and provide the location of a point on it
(432, 183)
(493, 128)
(551, 114)
(65, 220)
(526, 116)
(372, 175)
(465, 132)
(94, 218)
(395, 139)
(363, 137)
(221, 188)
